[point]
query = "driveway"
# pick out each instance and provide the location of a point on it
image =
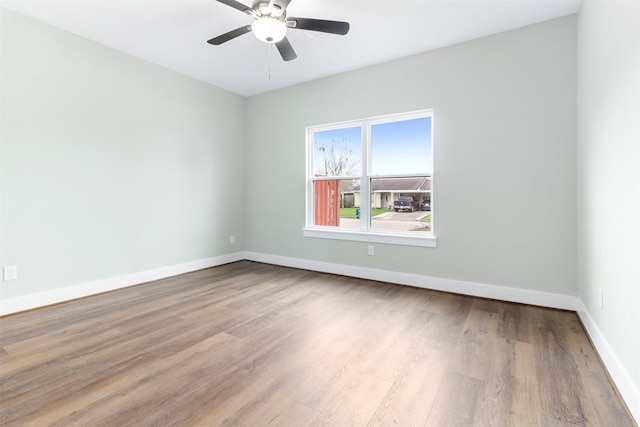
(390, 221)
(401, 216)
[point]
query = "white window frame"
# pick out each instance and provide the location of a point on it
(365, 234)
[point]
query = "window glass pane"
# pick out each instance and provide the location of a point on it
(337, 203)
(337, 152)
(401, 147)
(401, 204)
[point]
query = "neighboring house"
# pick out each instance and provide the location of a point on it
(386, 190)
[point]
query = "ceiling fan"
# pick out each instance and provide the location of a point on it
(270, 25)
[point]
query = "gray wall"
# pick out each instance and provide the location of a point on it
(609, 172)
(505, 158)
(110, 165)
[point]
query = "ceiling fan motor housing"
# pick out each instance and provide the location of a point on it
(267, 8)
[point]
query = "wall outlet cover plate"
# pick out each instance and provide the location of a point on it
(10, 272)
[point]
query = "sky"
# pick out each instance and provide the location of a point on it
(401, 147)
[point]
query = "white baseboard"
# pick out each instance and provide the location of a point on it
(628, 390)
(41, 299)
(503, 293)
(621, 378)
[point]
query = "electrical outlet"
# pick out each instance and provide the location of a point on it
(232, 239)
(371, 250)
(10, 272)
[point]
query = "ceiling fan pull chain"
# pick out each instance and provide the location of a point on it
(269, 44)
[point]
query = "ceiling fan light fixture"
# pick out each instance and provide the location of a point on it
(269, 29)
(270, 24)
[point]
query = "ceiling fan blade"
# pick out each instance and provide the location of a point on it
(332, 27)
(230, 35)
(279, 5)
(236, 5)
(286, 50)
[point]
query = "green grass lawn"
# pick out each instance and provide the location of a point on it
(351, 212)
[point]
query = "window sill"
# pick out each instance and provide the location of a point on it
(408, 239)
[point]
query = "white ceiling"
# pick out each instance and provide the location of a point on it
(173, 33)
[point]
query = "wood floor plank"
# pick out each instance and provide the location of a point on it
(46, 378)
(510, 396)
(251, 344)
(459, 402)
(603, 406)
(356, 403)
(123, 392)
(317, 386)
(451, 314)
(475, 351)
(272, 410)
(606, 406)
(412, 394)
(515, 324)
(561, 390)
(397, 346)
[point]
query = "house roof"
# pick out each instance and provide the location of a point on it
(397, 185)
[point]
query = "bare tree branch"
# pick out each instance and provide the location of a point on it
(338, 163)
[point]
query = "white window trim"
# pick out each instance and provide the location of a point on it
(408, 238)
(372, 237)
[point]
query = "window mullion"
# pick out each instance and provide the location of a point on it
(365, 183)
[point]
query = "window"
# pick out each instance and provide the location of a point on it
(371, 180)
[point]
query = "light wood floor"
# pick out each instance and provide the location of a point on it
(249, 344)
